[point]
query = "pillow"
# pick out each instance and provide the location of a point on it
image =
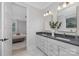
(17, 33)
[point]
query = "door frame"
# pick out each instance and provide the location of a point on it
(19, 4)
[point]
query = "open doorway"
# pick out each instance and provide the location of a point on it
(18, 28)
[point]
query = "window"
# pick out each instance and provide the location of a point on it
(13, 27)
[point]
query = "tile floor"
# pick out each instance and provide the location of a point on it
(22, 51)
(19, 45)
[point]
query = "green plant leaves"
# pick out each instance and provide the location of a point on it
(55, 24)
(59, 25)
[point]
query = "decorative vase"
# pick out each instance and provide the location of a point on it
(53, 31)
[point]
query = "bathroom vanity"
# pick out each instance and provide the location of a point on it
(61, 44)
(57, 46)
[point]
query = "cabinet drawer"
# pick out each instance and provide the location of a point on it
(66, 52)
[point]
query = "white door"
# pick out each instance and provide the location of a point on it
(7, 28)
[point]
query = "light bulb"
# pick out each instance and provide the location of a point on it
(59, 8)
(50, 12)
(47, 14)
(64, 4)
(44, 14)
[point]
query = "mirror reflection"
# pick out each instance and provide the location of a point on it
(68, 18)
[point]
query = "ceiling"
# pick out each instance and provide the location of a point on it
(19, 12)
(39, 5)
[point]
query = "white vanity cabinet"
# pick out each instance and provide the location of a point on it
(47, 45)
(53, 47)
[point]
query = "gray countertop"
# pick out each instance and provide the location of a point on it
(65, 40)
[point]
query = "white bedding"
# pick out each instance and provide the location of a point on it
(18, 36)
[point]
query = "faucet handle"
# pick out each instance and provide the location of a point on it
(71, 30)
(64, 33)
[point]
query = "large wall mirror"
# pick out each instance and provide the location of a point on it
(68, 17)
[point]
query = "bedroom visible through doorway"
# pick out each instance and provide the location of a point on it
(18, 28)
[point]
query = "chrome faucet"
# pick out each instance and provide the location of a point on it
(64, 34)
(71, 30)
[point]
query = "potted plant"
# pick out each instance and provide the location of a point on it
(54, 25)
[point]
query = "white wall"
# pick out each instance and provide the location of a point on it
(0, 19)
(46, 23)
(18, 12)
(78, 20)
(34, 24)
(7, 28)
(0, 30)
(53, 8)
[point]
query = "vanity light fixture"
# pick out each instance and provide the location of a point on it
(48, 13)
(65, 4)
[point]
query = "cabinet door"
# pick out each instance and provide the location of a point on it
(45, 45)
(37, 41)
(40, 42)
(52, 48)
(0, 48)
(66, 52)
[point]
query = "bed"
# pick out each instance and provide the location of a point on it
(18, 38)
